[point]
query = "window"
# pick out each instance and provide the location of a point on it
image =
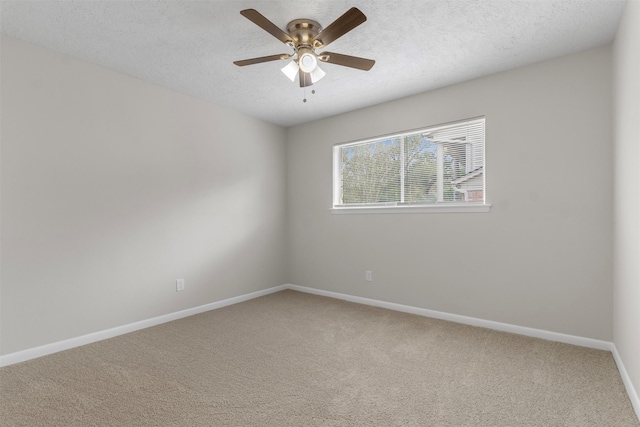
(436, 167)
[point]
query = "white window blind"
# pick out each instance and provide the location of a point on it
(439, 165)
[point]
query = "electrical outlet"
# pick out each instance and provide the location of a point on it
(179, 285)
(368, 276)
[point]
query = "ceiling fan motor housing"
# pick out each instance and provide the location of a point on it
(303, 31)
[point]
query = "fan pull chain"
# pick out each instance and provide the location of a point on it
(313, 92)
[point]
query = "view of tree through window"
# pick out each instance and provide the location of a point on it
(436, 165)
(371, 172)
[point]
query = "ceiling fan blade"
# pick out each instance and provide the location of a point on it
(347, 60)
(271, 28)
(347, 22)
(262, 59)
(305, 79)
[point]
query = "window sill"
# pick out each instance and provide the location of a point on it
(449, 208)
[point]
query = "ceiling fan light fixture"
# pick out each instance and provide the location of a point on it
(290, 70)
(317, 74)
(307, 60)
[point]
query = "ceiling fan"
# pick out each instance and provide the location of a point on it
(305, 36)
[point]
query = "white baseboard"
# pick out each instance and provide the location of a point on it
(489, 324)
(631, 391)
(32, 353)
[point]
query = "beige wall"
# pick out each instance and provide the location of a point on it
(113, 188)
(627, 179)
(541, 258)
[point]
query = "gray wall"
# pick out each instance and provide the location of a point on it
(541, 258)
(627, 204)
(112, 188)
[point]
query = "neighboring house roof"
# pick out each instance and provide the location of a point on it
(468, 176)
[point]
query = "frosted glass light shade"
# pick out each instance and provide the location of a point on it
(307, 62)
(317, 74)
(291, 70)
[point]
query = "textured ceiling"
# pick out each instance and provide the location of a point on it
(189, 46)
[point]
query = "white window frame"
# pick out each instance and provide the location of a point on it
(438, 207)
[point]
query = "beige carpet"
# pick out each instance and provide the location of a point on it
(293, 359)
